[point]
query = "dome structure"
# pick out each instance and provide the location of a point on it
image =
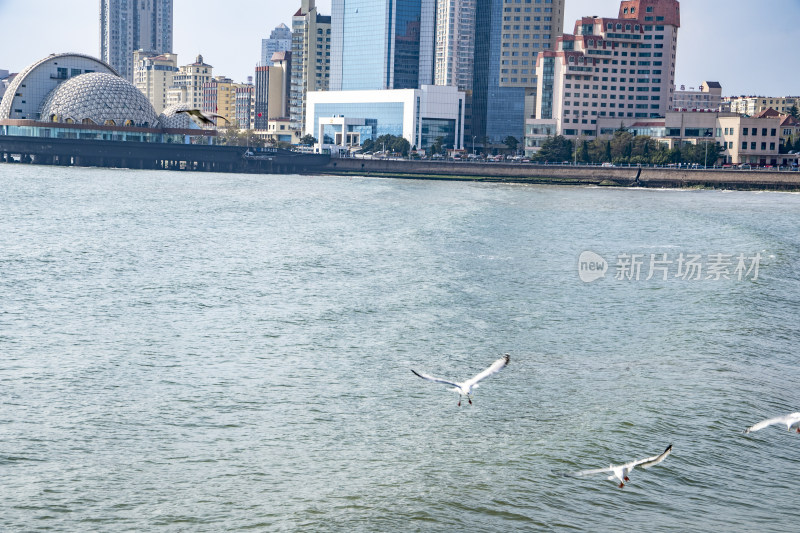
(101, 99)
(171, 119)
(25, 94)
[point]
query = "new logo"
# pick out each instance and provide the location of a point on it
(591, 267)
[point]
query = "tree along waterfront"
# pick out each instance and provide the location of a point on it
(625, 148)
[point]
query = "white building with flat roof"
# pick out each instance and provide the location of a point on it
(706, 97)
(419, 115)
(753, 105)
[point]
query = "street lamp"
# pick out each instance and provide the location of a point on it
(473, 144)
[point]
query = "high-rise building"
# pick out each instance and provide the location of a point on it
(455, 43)
(382, 44)
(528, 29)
(279, 85)
(129, 25)
(187, 84)
(509, 37)
(272, 89)
(153, 75)
(311, 57)
(610, 72)
(244, 105)
(279, 41)
(261, 98)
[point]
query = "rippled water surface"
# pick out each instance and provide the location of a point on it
(199, 352)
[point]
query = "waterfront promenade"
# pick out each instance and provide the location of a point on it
(569, 174)
(239, 159)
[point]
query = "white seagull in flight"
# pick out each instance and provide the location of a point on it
(790, 420)
(465, 388)
(620, 472)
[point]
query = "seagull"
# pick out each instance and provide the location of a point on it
(620, 472)
(790, 420)
(200, 118)
(465, 388)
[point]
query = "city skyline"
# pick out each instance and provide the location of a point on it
(233, 43)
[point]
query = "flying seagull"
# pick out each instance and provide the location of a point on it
(465, 388)
(200, 118)
(790, 420)
(620, 472)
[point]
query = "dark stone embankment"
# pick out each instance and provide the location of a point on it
(568, 175)
(156, 156)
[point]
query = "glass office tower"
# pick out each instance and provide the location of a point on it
(381, 44)
(497, 112)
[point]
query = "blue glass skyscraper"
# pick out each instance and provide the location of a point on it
(381, 44)
(497, 112)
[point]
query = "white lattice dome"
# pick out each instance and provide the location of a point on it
(99, 98)
(171, 119)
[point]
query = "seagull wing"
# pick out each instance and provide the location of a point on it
(653, 461)
(435, 380)
(214, 115)
(496, 367)
(766, 423)
(203, 118)
(583, 473)
(197, 116)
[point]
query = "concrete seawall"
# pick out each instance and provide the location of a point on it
(567, 175)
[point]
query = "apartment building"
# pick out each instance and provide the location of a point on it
(753, 105)
(272, 91)
(610, 71)
(454, 62)
(311, 58)
(187, 84)
(244, 106)
(219, 96)
(129, 25)
(153, 74)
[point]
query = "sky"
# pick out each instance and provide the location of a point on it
(748, 50)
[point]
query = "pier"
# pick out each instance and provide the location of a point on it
(156, 156)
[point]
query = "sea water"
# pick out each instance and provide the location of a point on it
(219, 352)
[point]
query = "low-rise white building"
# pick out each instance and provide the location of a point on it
(744, 140)
(753, 105)
(707, 97)
(419, 115)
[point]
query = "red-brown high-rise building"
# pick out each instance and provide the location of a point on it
(609, 72)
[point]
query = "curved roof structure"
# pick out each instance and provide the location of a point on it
(24, 97)
(98, 98)
(171, 119)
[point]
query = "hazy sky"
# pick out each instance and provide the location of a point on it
(748, 50)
